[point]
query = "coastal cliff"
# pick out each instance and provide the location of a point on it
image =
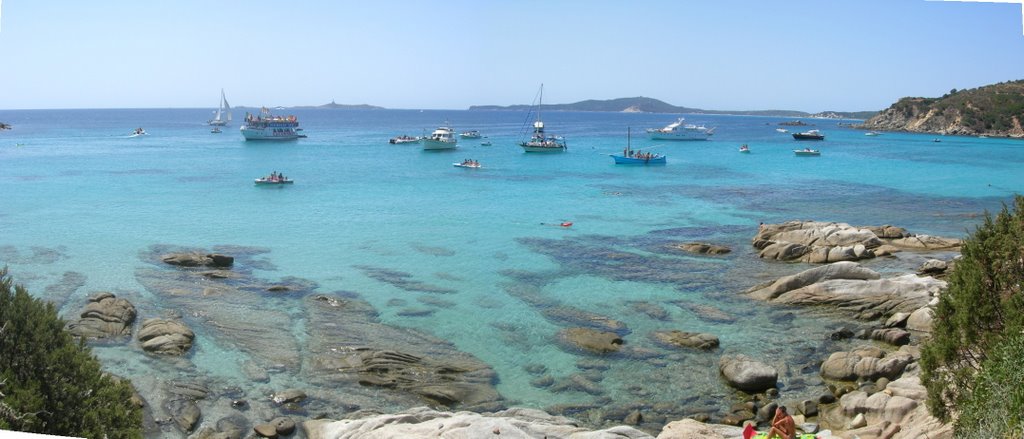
(992, 110)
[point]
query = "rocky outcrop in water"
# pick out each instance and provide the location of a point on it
(104, 316)
(165, 337)
(681, 339)
(744, 373)
(826, 242)
(992, 110)
(424, 422)
(193, 259)
(701, 248)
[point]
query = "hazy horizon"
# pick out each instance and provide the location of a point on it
(732, 55)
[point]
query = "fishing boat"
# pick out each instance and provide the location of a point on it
(442, 138)
(681, 131)
(540, 142)
(468, 163)
(403, 139)
(809, 135)
(471, 134)
(807, 152)
(222, 116)
(274, 178)
(636, 157)
(744, 149)
(269, 127)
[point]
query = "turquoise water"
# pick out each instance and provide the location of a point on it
(80, 196)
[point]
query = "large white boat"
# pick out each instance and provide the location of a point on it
(540, 142)
(270, 127)
(442, 138)
(679, 131)
(222, 116)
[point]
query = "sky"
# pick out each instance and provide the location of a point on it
(808, 55)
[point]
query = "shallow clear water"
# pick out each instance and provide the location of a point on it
(80, 196)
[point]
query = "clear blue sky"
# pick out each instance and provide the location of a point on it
(809, 55)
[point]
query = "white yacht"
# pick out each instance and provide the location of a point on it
(442, 138)
(679, 131)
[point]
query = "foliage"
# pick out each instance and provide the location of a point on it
(982, 307)
(995, 407)
(50, 383)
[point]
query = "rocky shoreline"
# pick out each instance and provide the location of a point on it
(355, 368)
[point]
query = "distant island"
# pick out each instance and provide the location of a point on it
(991, 110)
(331, 106)
(651, 105)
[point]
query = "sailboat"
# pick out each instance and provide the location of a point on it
(539, 142)
(636, 157)
(223, 114)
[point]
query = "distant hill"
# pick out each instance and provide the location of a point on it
(992, 110)
(651, 105)
(330, 106)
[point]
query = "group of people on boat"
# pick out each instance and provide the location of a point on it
(639, 155)
(471, 162)
(139, 131)
(276, 177)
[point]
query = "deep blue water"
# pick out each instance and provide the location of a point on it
(80, 196)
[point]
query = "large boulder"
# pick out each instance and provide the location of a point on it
(688, 429)
(425, 422)
(744, 373)
(847, 286)
(815, 242)
(104, 316)
(681, 339)
(165, 337)
(869, 364)
(921, 320)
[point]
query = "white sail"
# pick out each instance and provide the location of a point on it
(224, 103)
(222, 108)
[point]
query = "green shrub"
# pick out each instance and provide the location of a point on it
(983, 306)
(52, 384)
(994, 408)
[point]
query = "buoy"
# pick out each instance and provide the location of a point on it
(566, 224)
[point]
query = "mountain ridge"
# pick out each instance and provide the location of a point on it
(641, 104)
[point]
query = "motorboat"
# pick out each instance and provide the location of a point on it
(222, 116)
(403, 139)
(539, 141)
(486, 143)
(782, 130)
(216, 130)
(442, 138)
(471, 134)
(274, 178)
(630, 156)
(807, 152)
(744, 149)
(871, 133)
(468, 163)
(809, 135)
(138, 132)
(266, 126)
(679, 130)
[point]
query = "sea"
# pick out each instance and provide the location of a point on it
(475, 257)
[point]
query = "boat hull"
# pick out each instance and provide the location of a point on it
(806, 153)
(622, 160)
(799, 136)
(460, 165)
(261, 182)
(537, 148)
(435, 145)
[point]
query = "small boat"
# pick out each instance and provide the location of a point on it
(138, 132)
(808, 152)
(485, 143)
(223, 114)
(215, 130)
(540, 142)
(936, 140)
(809, 135)
(403, 139)
(637, 157)
(471, 134)
(269, 127)
(982, 137)
(442, 138)
(679, 131)
(468, 163)
(273, 179)
(782, 130)
(870, 133)
(744, 149)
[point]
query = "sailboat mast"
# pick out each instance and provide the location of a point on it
(540, 101)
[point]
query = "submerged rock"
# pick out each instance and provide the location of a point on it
(195, 259)
(590, 340)
(744, 373)
(165, 337)
(680, 339)
(702, 248)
